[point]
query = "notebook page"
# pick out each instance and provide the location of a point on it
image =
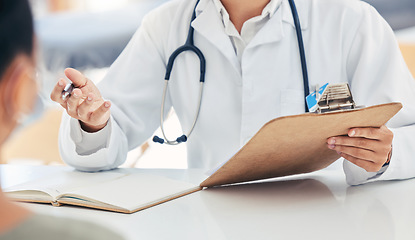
(68, 180)
(135, 190)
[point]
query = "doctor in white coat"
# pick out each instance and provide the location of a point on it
(253, 74)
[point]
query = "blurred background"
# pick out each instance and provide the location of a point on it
(89, 35)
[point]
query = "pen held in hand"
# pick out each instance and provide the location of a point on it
(67, 91)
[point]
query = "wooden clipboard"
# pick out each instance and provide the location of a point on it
(296, 144)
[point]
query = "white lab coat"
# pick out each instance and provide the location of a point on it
(345, 41)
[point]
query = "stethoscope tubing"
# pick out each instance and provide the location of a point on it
(185, 136)
(189, 46)
(302, 51)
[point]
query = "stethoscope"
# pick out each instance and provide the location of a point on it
(189, 46)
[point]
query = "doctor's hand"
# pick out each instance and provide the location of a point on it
(368, 148)
(85, 103)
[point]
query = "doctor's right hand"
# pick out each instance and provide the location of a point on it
(85, 103)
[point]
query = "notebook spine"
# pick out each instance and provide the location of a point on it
(56, 203)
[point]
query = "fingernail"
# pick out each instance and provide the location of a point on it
(332, 141)
(331, 146)
(107, 104)
(89, 98)
(60, 83)
(74, 94)
(352, 133)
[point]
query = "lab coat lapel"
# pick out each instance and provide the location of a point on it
(208, 24)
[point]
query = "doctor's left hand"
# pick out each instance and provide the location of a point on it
(368, 148)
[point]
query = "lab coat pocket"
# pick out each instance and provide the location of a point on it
(292, 102)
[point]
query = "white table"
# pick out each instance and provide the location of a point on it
(311, 206)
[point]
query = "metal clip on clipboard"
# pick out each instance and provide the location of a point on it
(336, 97)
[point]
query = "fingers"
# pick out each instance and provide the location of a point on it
(87, 114)
(365, 149)
(382, 133)
(378, 140)
(355, 152)
(81, 82)
(73, 102)
(77, 78)
(84, 109)
(97, 119)
(85, 103)
(356, 142)
(92, 118)
(56, 94)
(97, 115)
(368, 148)
(367, 165)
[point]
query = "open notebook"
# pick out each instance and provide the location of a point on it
(113, 191)
(283, 146)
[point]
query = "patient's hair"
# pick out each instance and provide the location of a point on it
(16, 31)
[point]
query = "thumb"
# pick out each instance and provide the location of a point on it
(77, 78)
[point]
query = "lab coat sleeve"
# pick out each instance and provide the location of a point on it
(378, 74)
(134, 85)
(88, 152)
(88, 143)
